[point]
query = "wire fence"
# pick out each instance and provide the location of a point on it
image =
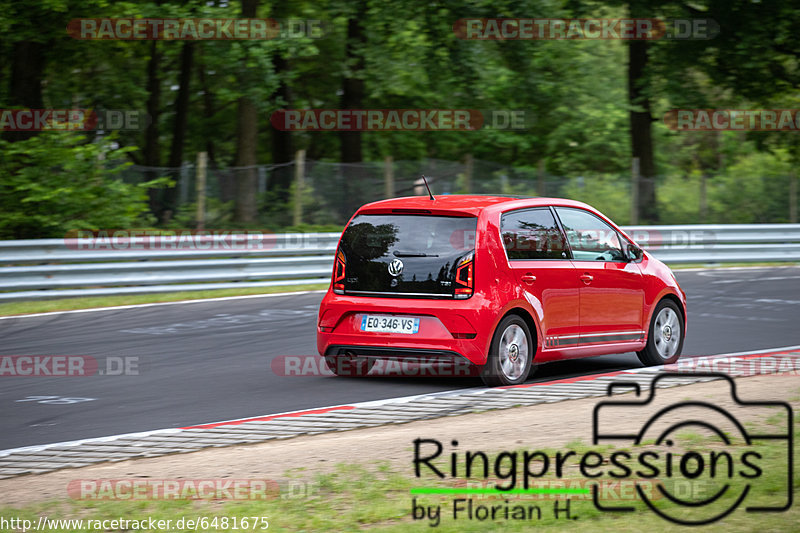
(329, 192)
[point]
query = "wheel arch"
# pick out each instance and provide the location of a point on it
(674, 299)
(526, 317)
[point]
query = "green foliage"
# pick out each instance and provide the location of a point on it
(574, 95)
(218, 214)
(608, 193)
(678, 198)
(57, 182)
(738, 197)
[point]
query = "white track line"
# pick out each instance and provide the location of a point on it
(40, 447)
(724, 268)
(155, 304)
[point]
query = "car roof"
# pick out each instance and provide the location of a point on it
(460, 204)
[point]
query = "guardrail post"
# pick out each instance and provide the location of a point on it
(635, 191)
(299, 186)
(703, 198)
(200, 187)
(388, 177)
(540, 179)
(468, 167)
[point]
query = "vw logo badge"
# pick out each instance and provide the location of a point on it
(396, 267)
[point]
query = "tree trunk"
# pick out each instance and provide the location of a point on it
(641, 127)
(280, 179)
(182, 105)
(152, 149)
(353, 86)
(282, 146)
(209, 109)
(246, 179)
(179, 129)
(25, 84)
(352, 98)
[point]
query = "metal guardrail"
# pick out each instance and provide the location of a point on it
(720, 243)
(58, 268)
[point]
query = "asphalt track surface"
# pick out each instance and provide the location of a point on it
(210, 361)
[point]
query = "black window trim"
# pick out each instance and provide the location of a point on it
(568, 249)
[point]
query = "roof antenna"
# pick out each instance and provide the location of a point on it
(427, 187)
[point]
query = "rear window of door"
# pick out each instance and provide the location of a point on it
(532, 234)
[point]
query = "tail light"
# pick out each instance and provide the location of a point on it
(465, 277)
(339, 273)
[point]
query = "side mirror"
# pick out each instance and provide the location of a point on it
(634, 252)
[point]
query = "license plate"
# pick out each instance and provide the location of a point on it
(389, 324)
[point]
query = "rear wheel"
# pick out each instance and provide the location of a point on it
(511, 354)
(349, 365)
(665, 338)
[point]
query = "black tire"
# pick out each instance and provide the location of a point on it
(505, 364)
(349, 365)
(662, 346)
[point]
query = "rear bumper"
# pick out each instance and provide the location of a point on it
(448, 329)
(411, 355)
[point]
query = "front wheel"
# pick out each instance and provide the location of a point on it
(511, 354)
(665, 338)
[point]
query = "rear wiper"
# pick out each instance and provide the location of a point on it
(413, 254)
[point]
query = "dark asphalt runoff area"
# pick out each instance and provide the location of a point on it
(210, 361)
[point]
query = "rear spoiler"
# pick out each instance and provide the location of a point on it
(432, 211)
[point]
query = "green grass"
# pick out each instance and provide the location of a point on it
(68, 304)
(378, 498)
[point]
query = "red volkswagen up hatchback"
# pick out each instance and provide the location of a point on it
(503, 283)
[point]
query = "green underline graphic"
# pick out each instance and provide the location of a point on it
(434, 490)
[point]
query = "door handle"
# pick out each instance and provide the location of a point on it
(586, 278)
(528, 278)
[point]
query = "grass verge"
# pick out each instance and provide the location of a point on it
(69, 304)
(354, 498)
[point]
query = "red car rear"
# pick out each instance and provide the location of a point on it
(503, 283)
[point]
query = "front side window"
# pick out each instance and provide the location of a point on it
(590, 238)
(532, 234)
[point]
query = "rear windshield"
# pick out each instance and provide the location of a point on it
(406, 254)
